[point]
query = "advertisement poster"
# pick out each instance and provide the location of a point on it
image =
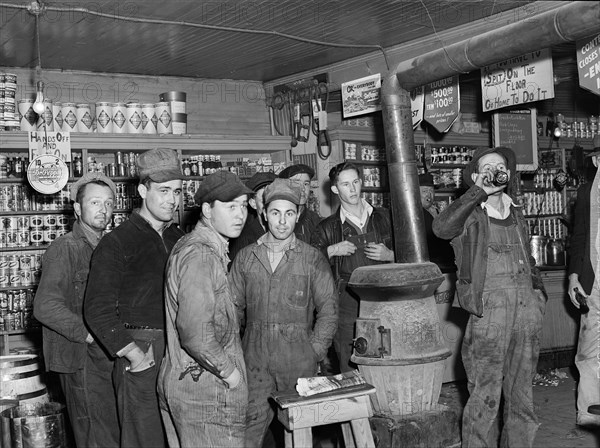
(588, 63)
(47, 173)
(519, 80)
(417, 103)
(361, 96)
(442, 103)
(56, 143)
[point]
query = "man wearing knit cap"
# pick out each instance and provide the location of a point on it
(500, 286)
(584, 275)
(83, 368)
(301, 175)
(255, 226)
(124, 301)
(202, 383)
(288, 293)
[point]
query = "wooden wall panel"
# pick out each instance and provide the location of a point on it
(214, 106)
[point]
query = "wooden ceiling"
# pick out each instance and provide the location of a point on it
(194, 38)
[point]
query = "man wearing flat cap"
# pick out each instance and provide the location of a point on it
(124, 301)
(84, 370)
(288, 293)
(301, 175)
(500, 286)
(255, 226)
(584, 275)
(202, 383)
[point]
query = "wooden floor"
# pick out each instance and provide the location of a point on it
(554, 400)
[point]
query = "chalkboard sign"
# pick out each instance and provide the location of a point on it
(517, 130)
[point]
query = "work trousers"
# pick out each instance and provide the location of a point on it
(90, 401)
(500, 353)
(344, 336)
(587, 360)
(274, 362)
(137, 399)
(206, 412)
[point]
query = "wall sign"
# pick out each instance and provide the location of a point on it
(47, 174)
(442, 103)
(55, 143)
(417, 104)
(588, 63)
(518, 130)
(522, 79)
(361, 96)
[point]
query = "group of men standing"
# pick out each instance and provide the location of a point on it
(160, 337)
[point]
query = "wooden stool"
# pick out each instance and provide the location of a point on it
(349, 406)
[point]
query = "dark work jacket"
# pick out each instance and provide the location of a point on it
(467, 225)
(579, 261)
(440, 250)
(306, 225)
(329, 232)
(251, 232)
(59, 301)
(127, 279)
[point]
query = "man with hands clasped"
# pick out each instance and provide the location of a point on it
(501, 288)
(357, 234)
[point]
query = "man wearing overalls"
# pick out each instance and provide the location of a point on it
(500, 286)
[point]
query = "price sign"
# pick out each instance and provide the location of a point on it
(442, 103)
(417, 98)
(588, 63)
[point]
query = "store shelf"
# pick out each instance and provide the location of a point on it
(555, 215)
(13, 288)
(441, 166)
(36, 212)
(24, 248)
(367, 162)
(196, 143)
(20, 331)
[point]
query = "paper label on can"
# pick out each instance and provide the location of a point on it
(59, 119)
(145, 120)
(135, 120)
(30, 116)
(103, 119)
(47, 174)
(71, 119)
(119, 119)
(86, 120)
(165, 118)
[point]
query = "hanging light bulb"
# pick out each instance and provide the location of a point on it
(38, 106)
(557, 132)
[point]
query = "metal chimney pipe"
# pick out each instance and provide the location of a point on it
(570, 22)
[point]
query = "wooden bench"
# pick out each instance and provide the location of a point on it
(349, 406)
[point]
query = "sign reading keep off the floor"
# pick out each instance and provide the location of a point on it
(519, 80)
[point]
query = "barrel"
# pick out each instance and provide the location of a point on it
(37, 425)
(21, 379)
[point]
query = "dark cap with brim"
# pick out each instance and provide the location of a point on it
(220, 186)
(282, 189)
(88, 178)
(300, 168)
(159, 165)
(426, 180)
(507, 153)
(260, 180)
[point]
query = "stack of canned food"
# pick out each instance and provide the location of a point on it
(451, 154)
(16, 310)
(376, 199)
(9, 118)
(34, 230)
(19, 198)
(20, 269)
